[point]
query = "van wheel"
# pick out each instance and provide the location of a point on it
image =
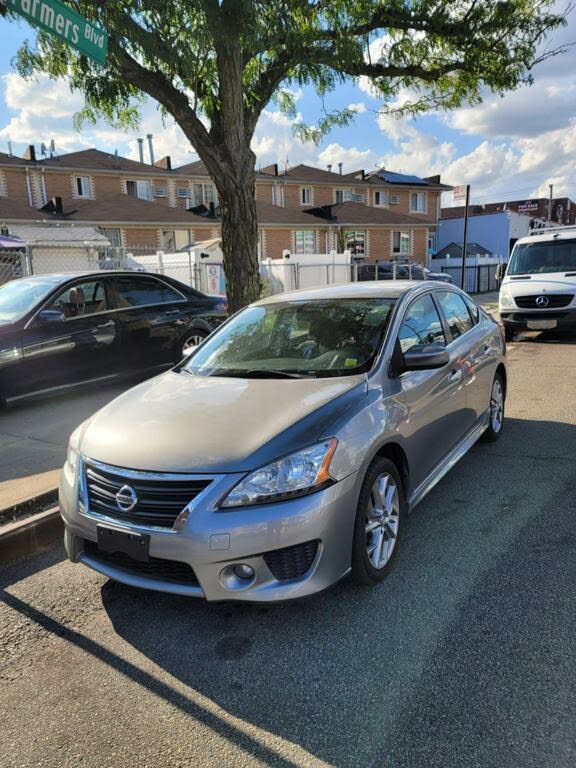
(509, 333)
(497, 401)
(379, 521)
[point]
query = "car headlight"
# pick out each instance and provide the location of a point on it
(506, 300)
(294, 475)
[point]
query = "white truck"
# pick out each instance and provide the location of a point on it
(538, 290)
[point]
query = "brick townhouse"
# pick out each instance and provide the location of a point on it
(140, 206)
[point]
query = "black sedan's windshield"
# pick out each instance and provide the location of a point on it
(19, 296)
(338, 337)
(550, 256)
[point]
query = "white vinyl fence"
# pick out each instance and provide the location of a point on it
(294, 271)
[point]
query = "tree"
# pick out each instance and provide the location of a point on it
(213, 65)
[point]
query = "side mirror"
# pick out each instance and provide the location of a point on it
(500, 272)
(425, 358)
(50, 316)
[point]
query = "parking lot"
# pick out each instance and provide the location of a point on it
(464, 656)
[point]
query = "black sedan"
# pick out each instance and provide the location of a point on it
(390, 270)
(61, 330)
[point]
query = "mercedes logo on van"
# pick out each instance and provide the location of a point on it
(542, 301)
(126, 499)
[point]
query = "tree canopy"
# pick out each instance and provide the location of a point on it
(213, 65)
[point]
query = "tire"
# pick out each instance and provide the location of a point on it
(509, 333)
(497, 403)
(194, 337)
(382, 472)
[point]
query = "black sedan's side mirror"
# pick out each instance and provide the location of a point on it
(500, 272)
(50, 316)
(426, 358)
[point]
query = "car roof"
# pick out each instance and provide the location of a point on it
(551, 235)
(384, 289)
(64, 277)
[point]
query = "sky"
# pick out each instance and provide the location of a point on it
(506, 148)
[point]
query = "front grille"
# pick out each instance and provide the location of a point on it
(160, 501)
(291, 562)
(555, 300)
(156, 568)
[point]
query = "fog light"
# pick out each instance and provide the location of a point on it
(244, 572)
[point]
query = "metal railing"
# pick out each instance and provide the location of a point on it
(478, 278)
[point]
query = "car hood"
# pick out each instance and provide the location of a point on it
(177, 422)
(552, 282)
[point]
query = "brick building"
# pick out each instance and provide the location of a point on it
(139, 206)
(563, 209)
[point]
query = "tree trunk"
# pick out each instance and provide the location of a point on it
(240, 240)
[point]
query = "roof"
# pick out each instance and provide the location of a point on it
(14, 210)
(455, 249)
(11, 159)
(196, 168)
(59, 235)
(388, 289)
(273, 214)
(96, 160)
(358, 213)
(404, 179)
(124, 208)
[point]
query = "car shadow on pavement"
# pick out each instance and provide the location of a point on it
(333, 673)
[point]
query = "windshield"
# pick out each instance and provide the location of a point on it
(551, 256)
(19, 296)
(338, 337)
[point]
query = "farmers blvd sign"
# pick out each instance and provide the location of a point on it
(60, 20)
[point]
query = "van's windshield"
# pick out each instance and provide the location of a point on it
(296, 339)
(551, 256)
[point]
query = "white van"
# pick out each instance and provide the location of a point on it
(538, 290)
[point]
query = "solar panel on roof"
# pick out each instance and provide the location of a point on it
(401, 178)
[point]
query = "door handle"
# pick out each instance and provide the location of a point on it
(487, 349)
(455, 375)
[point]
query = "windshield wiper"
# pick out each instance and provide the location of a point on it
(261, 373)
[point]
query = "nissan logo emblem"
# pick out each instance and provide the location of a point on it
(126, 499)
(542, 301)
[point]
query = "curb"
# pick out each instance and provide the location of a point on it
(24, 537)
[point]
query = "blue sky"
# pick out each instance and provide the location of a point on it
(506, 148)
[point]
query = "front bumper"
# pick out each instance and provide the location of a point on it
(212, 541)
(519, 319)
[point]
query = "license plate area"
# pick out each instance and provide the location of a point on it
(542, 325)
(135, 545)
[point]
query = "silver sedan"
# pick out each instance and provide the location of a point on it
(286, 450)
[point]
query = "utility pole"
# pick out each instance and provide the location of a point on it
(465, 238)
(550, 190)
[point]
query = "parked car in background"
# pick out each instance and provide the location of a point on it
(538, 290)
(60, 330)
(287, 450)
(393, 270)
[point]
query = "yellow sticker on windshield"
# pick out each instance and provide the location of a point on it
(350, 362)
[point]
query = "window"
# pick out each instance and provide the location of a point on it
(421, 325)
(305, 241)
(357, 198)
(138, 291)
(168, 240)
(183, 191)
(278, 196)
(114, 235)
(159, 191)
(394, 199)
(343, 195)
(83, 186)
(431, 243)
(401, 243)
(381, 198)
(418, 202)
(141, 188)
(203, 194)
(456, 313)
(473, 308)
(356, 243)
(305, 195)
(81, 300)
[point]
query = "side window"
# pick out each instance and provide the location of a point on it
(81, 299)
(456, 312)
(139, 291)
(421, 325)
(473, 308)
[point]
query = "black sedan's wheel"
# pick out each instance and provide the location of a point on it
(497, 400)
(379, 519)
(191, 341)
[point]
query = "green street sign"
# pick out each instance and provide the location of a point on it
(61, 21)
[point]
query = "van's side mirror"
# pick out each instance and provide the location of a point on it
(426, 358)
(500, 272)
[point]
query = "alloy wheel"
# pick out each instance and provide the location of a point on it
(496, 405)
(190, 344)
(382, 519)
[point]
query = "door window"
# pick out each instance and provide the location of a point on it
(139, 291)
(456, 313)
(81, 299)
(421, 325)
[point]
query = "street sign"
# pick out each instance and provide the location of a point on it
(459, 193)
(60, 20)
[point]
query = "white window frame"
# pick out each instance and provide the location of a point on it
(83, 186)
(172, 235)
(394, 200)
(278, 195)
(352, 234)
(203, 193)
(143, 188)
(305, 195)
(358, 197)
(379, 194)
(404, 237)
(345, 195)
(160, 192)
(308, 241)
(183, 192)
(418, 196)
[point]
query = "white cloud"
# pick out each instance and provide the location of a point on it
(359, 107)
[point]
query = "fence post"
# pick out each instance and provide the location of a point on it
(28, 260)
(190, 267)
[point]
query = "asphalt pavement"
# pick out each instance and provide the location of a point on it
(464, 657)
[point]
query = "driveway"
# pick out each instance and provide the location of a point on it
(463, 658)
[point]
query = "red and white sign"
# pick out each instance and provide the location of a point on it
(459, 193)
